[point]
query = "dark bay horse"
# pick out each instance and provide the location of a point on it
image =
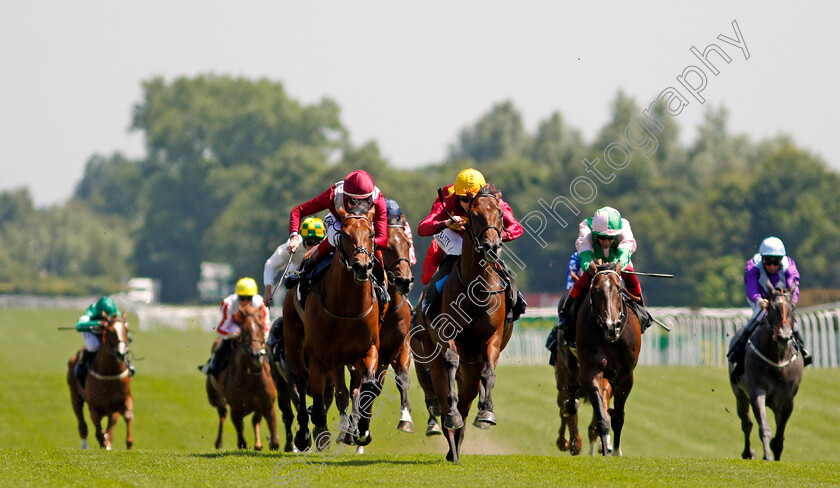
(471, 332)
(393, 347)
(339, 327)
(108, 386)
(772, 374)
(608, 345)
(245, 383)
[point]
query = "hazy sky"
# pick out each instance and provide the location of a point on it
(409, 75)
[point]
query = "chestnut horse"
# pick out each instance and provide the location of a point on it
(339, 327)
(470, 332)
(245, 383)
(772, 374)
(108, 386)
(608, 345)
(393, 347)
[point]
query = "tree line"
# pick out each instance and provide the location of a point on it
(227, 158)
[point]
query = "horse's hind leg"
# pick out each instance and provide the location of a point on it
(369, 392)
(128, 415)
(782, 417)
(469, 388)
(432, 406)
(96, 420)
(317, 381)
(743, 407)
(78, 404)
(284, 401)
(237, 418)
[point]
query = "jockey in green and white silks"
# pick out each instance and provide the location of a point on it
(96, 313)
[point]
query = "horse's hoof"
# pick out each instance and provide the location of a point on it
(477, 423)
(748, 454)
(323, 438)
(453, 421)
(364, 440)
(360, 450)
(452, 458)
(287, 447)
(347, 439)
(562, 444)
(433, 429)
(257, 448)
(302, 440)
(243, 445)
(406, 426)
(486, 417)
(85, 445)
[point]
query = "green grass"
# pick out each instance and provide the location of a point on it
(681, 429)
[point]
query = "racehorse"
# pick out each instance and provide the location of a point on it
(471, 331)
(108, 386)
(339, 327)
(772, 374)
(567, 378)
(245, 383)
(393, 347)
(608, 344)
(423, 349)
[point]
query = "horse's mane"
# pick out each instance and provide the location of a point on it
(607, 267)
(362, 208)
(488, 190)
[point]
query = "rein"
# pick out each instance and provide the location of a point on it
(390, 269)
(767, 360)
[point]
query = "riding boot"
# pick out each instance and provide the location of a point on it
(641, 313)
(551, 345)
(303, 277)
(738, 350)
(218, 359)
(130, 365)
(565, 320)
(433, 296)
(83, 366)
(800, 342)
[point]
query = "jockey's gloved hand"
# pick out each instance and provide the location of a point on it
(762, 302)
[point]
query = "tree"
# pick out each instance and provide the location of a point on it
(497, 134)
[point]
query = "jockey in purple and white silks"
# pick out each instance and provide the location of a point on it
(771, 266)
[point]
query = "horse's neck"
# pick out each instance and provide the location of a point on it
(339, 278)
(106, 363)
(769, 347)
(471, 265)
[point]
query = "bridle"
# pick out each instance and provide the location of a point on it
(345, 257)
(600, 319)
(245, 343)
(784, 317)
(476, 238)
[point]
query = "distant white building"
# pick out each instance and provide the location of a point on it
(143, 290)
(215, 282)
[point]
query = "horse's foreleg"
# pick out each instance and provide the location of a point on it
(402, 380)
(486, 415)
(285, 404)
(592, 385)
(302, 438)
(469, 387)
(237, 418)
(96, 420)
(256, 418)
(621, 393)
(109, 432)
(743, 407)
(453, 418)
(367, 395)
(782, 417)
(757, 400)
(317, 381)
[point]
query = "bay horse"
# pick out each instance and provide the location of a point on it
(471, 331)
(772, 374)
(245, 383)
(393, 346)
(108, 385)
(339, 327)
(608, 344)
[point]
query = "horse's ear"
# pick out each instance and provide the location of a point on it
(342, 213)
(794, 287)
(592, 269)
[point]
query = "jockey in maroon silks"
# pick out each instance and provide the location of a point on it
(357, 189)
(770, 266)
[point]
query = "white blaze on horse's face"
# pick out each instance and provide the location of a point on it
(119, 328)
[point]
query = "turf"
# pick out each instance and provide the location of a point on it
(681, 429)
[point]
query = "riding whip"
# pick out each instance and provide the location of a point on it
(280, 282)
(655, 275)
(661, 324)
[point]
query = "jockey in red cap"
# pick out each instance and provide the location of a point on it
(357, 189)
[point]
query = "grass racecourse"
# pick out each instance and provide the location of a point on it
(681, 429)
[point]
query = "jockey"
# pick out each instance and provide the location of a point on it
(357, 189)
(608, 237)
(449, 237)
(246, 293)
(96, 315)
(312, 232)
(770, 266)
(572, 274)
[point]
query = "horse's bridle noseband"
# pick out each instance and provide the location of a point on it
(345, 257)
(475, 238)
